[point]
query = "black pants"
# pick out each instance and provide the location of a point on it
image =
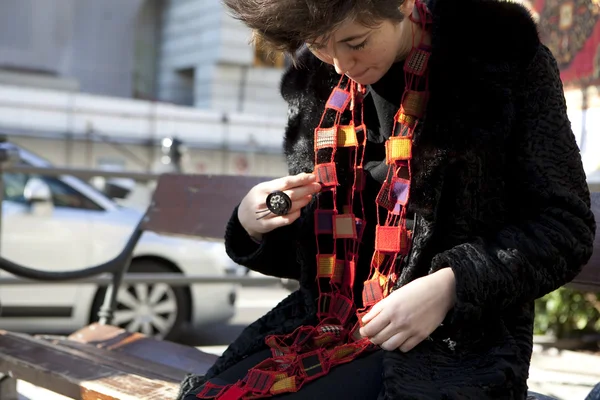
(360, 379)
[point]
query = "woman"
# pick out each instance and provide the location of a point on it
(436, 191)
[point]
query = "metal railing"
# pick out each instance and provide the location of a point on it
(170, 279)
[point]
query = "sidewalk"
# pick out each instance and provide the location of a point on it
(565, 375)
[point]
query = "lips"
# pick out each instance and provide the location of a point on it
(358, 76)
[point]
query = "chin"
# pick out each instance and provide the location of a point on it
(371, 77)
(368, 80)
(363, 80)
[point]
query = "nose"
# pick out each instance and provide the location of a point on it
(342, 64)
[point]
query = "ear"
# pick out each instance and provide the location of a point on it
(407, 7)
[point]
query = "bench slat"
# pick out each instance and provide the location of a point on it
(132, 364)
(171, 358)
(196, 205)
(66, 372)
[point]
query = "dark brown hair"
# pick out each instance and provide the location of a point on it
(286, 25)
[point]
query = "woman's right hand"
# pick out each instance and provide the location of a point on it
(300, 188)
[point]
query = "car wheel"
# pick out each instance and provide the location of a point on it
(157, 310)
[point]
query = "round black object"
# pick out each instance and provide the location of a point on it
(279, 203)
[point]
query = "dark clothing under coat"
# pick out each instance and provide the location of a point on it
(498, 191)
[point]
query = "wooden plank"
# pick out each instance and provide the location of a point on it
(196, 205)
(136, 350)
(121, 362)
(60, 371)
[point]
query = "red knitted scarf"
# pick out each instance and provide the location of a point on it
(311, 351)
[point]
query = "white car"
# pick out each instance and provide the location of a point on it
(77, 227)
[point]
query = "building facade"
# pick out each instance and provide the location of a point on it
(187, 52)
(86, 61)
(206, 61)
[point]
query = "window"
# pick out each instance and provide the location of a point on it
(264, 57)
(14, 186)
(63, 195)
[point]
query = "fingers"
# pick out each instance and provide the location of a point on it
(288, 182)
(298, 195)
(411, 343)
(303, 191)
(253, 213)
(297, 205)
(375, 326)
(373, 312)
(384, 335)
(395, 341)
(391, 338)
(277, 222)
(274, 221)
(387, 334)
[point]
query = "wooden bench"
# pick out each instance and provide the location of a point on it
(102, 362)
(99, 362)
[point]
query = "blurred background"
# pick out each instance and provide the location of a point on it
(80, 77)
(153, 86)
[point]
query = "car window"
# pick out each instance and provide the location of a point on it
(63, 195)
(14, 186)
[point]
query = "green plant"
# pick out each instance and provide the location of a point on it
(567, 313)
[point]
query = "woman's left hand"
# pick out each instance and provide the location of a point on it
(410, 314)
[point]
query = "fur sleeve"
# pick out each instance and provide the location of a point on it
(303, 88)
(274, 256)
(552, 236)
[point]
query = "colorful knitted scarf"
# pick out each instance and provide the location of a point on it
(312, 351)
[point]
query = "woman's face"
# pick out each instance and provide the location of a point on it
(363, 53)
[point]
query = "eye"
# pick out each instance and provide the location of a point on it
(359, 46)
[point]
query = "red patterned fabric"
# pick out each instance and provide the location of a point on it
(345, 227)
(326, 174)
(311, 352)
(387, 239)
(571, 30)
(326, 137)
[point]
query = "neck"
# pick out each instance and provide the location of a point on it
(413, 35)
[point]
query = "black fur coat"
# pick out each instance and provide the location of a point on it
(498, 190)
